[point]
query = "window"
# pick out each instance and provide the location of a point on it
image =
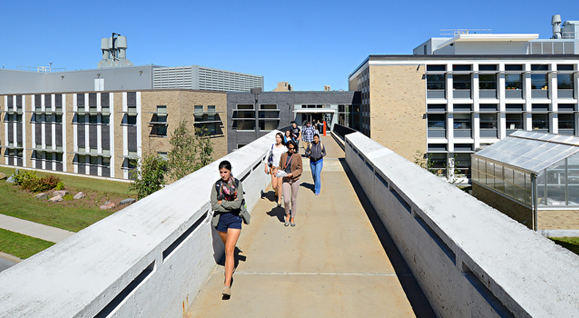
(131, 120)
(106, 161)
(244, 124)
(198, 112)
(462, 121)
(274, 107)
(161, 130)
(540, 121)
(487, 67)
(92, 119)
(514, 121)
(540, 107)
(488, 107)
(513, 81)
(105, 120)
(462, 107)
(436, 81)
(565, 81)
(245, 111)
(514, 107)
(211, 112)
(436, 68)
(539, 81)
(488, 121)
(437, 163)
(513, 67)
(268, 125)
(566, 121)
(461, 81)
(565, 67)
(539, 67)
(462, 67)
(487, 81)
(436, 107)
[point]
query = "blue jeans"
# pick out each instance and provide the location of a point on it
(316, 168)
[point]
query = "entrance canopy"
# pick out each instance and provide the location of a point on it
(314, 110)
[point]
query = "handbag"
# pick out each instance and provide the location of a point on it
(244, 213)
(270, 158)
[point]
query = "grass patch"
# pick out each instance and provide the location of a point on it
(83, 183)
(570, 243)
(20, 245)
(71, 215)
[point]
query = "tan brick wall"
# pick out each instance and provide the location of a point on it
(181, 106)
(397, 108)
(68, 125)
(558, 220)
(116, 107)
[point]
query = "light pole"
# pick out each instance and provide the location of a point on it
(256, 91)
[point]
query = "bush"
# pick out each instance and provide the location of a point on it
(24, 176)
(150, 175)
(28, 180)
(59, 186)
(67, 197)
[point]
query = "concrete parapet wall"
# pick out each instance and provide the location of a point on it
(470, 259)
(148, 260)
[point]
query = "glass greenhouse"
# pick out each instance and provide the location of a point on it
(528, 165)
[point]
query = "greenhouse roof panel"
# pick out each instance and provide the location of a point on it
(531, 151)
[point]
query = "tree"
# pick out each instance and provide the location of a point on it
(189, 152)
(150, 175)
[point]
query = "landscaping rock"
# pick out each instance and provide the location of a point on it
(79, 196)
(55, 199)
(17, 171)
(60, 193)
(3, 176)
(42, 196)
(108, 205)
(127, 201)
(11, 180)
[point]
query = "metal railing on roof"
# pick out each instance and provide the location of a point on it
(455, 32)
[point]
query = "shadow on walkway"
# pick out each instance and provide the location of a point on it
(418, 301)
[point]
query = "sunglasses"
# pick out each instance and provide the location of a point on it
(292, 148)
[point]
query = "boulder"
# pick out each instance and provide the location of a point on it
(108, 205)
(11, 180)
(42, 196)
(55, 199)
(60, 193)
(127, 201)
(17, 171)
(79, 196)
(3, 176)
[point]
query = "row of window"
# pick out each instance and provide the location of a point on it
(495, 107)
(489, 121)
(490, 81)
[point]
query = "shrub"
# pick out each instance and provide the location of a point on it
(67, 197)
(60, 186)
(23, 177)
(31, 182)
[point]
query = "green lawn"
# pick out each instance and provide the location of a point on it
(20, 245)
(83, 183)
(73, 215)
(570, 243)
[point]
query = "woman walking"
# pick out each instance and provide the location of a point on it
(291, 163)
(287, 137)
(273, 157)
(316, 153)
(226, 201)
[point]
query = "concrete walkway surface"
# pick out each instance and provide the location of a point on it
(336, 262)
(41, 231)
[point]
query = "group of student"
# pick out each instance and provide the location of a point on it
(284, 164)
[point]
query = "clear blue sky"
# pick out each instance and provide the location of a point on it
(306, 43)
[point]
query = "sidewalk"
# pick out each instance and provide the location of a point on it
(41, 231)
(332, 264)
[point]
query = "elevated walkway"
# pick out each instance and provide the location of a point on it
(332, 264)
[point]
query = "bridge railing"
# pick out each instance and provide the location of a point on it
(148, 260)
(469, 259)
